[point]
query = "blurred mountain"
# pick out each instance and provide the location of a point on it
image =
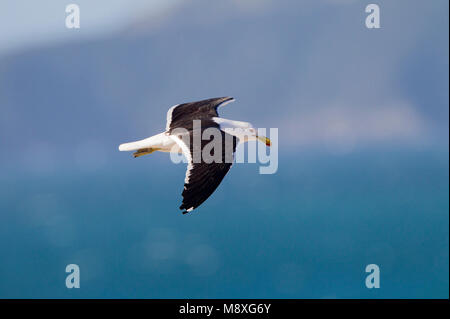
(310, 67)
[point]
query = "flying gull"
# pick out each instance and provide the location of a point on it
(187, 121)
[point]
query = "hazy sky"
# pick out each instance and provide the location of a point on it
(24, 23)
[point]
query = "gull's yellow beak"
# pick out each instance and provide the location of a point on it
(265, 140)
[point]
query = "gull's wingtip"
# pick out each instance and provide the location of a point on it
(225, 100)
(185, 211)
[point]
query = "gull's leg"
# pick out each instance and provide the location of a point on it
(144, 151)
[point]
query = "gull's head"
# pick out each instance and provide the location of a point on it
(251, 134)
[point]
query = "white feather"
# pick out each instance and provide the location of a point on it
(169, 116)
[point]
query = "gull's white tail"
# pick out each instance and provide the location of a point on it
(133, 146)
(156, 141)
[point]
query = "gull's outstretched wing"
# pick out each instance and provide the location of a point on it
(182, 115)
(202, 178)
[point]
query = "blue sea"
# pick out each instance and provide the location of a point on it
(307, 231)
